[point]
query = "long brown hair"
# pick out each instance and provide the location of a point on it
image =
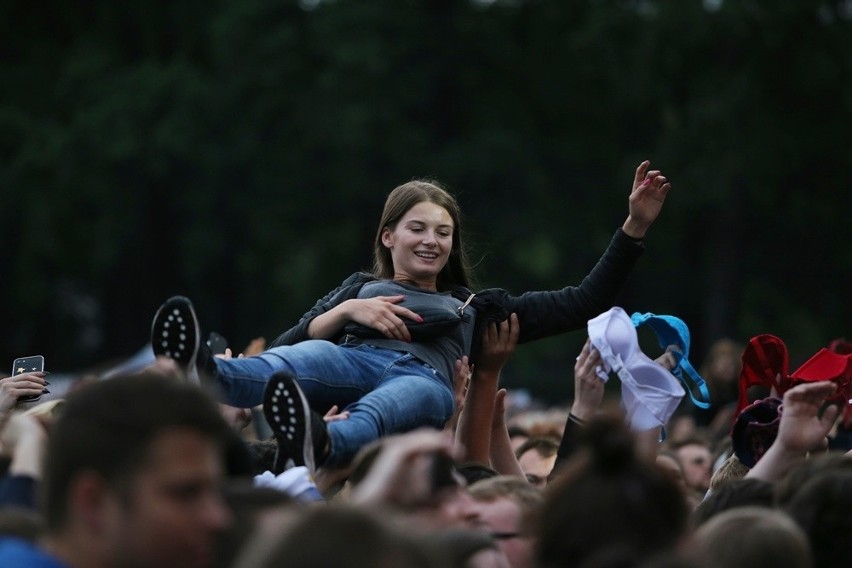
(457, 271)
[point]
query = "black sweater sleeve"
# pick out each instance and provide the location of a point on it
(543, 314)
(299, 332)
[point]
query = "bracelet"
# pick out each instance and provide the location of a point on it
(576, 420)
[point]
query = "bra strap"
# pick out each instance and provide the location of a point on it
(683, 363)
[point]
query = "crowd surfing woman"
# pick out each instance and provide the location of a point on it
(384, 345)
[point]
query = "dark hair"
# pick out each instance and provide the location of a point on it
(263, 453)
(794, 481)
(755, 537)
(605, 497)
(527, 496)
(546, 446)
(340, 534)
(821, 507)
(457, 272)
(733, 494)
(248, 504)
(474, 471)
(108, 426)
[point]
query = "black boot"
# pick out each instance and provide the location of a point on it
(301, 432)
(176, 334)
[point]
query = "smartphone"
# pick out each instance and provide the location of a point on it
(28, 365)
(216, 343)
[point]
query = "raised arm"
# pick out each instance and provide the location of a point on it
(474, 428)
(588, 396)
(503, 457)
(546, 313)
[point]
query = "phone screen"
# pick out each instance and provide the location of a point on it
(29, 364)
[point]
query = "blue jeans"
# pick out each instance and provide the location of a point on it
(385, 391)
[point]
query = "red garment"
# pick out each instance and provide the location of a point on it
(826, 365)
(766, 363)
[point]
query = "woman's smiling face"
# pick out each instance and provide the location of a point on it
(420, 243)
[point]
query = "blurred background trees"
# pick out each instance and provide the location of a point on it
(239, 152)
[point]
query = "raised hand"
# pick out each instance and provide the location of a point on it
(588, 386)
(646, 200)
(498, 343)
(800, 430)
(461, 384)
(24, 384)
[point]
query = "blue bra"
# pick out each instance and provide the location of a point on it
(650, 393)
(672, 331)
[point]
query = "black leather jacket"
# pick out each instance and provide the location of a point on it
(540, 313)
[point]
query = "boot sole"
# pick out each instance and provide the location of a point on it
(288, 414)
(175, 334)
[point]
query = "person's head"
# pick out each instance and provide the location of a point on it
(735, 493)
(134, 468)
(821, 507)
(537, 456)
(467, 548)
(787, 487)
(420, 237)
(753, 537)
(721, 369)
(669, 463)
(337, 535)
(608, 499)
(252, 508)
(263, 454)
(696, 460)
(731, 470)
(507, 507)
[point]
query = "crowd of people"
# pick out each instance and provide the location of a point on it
(376, 432)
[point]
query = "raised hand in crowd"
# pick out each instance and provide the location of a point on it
(403, 473)
(461, 384)
(588, 386)
(646, 200)
(801, 430)
(22, 385)
(475, 424)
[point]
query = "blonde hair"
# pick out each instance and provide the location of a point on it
(730, 470)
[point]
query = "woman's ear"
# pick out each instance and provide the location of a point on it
(387, 238)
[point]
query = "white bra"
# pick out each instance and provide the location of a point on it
(649, 393)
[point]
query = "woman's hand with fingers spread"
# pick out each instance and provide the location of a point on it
(647, 196)
(383, 314)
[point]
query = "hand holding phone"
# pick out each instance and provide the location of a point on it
(217, 343)
(30, 364)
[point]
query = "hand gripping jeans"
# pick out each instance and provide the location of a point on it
(385, 391)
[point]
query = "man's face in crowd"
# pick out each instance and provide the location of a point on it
(174, 510)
